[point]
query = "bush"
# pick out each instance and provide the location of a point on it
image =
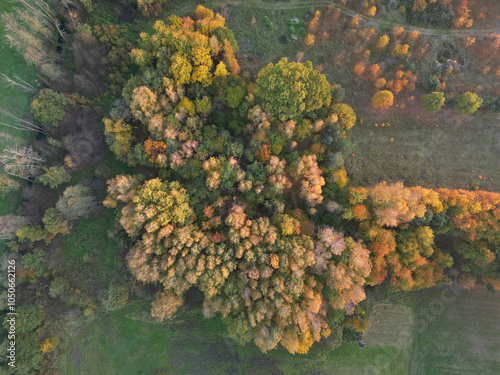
(338, 94)
(434, 83)
(116, 297)
(490, 103)
(383, 99)
(468, 103)
(432, 102)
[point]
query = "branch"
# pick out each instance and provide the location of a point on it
(24, 85)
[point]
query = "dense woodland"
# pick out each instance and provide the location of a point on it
(225, 183)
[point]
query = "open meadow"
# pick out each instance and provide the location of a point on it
(130, 342)
(456, 332)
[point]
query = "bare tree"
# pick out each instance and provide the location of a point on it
(18, 82)
(30, 27)
(21, 123)
(21, 161)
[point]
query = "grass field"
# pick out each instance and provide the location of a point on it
(92, 252)
(441, 150)
(391, 326)
(129, 342)
(11, 98)
(457, 332)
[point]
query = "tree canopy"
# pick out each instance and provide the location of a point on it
(288, 90)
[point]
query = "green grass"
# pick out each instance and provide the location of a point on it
(12, 99)
(130, 342)
(457, 332)
(91, 251)
(391, 326)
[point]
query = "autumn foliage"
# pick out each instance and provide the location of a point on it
(382, 99)
(246, 198)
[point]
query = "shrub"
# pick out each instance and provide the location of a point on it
(382, 99)
(434, 83)
(468, 103)
(433, 101)
(116, 297)
(7, 185)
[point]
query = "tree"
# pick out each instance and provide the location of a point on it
(468, 103)
(359, 68)
(21, 161)
(55, 176)
(54, 223)
(314, 23)
(77, 201)
(383, 41)
(36, 261)
(48, 107)
(59, 287)
(163, 203)
(382, 99)
(166, 304)
(374, 70)
(290, 90)
(433, 101)
(119, 137)
(10, 224)
(345, 114)
(29, 28)
(7, 185)
(309, 40)
(27, 319)
(419, 6)
(380, 83)
(150, 8)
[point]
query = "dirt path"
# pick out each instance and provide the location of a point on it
(368, 21)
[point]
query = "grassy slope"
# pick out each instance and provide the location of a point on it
(457, 332)
(12, 99)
